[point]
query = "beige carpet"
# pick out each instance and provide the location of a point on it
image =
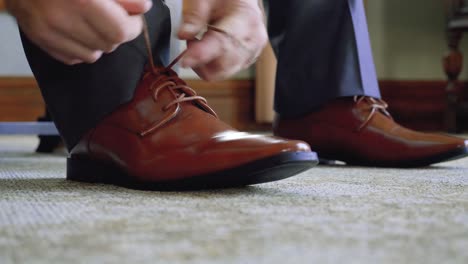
(326, 215)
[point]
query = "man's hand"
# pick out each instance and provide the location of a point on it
(217, 55)
(77, 31)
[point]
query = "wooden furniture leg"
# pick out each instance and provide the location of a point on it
(453, 64)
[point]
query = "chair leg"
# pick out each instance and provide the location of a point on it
(453, 64)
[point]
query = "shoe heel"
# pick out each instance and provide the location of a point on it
(87, 170)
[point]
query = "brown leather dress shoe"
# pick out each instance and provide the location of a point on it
(168, 138)
(362, 132)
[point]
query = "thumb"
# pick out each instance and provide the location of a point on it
(195, 15)
(135, 7)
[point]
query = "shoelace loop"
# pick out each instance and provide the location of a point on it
(375, 105)
(173, 86)
(166, 78)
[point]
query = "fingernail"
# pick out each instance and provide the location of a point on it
(74, 62)
(148, 4)
(190, 28)
(112, 49)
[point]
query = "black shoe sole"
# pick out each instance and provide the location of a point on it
(457, 153)
(281, 166)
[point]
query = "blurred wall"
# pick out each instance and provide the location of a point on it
(12, 60)
(408, 39)
(407, 36)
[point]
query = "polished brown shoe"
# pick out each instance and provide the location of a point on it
(168, 138)
(362, 132)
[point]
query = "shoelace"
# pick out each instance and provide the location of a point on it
(168, 79)
(181, 92)
(186, 94)
(375, 105)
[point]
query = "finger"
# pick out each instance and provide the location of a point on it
(136, 7)
(217, 66)
(113, 22)
(64, 59)
(65, 47)
(199, 52)
(218, 69)
(85, 34)
(195, 15)
(247, 31)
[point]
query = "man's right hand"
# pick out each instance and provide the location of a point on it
(77, 31)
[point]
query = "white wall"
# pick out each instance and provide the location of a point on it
(12, 60)
(407, 38)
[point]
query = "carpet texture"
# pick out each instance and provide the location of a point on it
(329, 214)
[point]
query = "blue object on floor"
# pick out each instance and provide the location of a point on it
(28, 128)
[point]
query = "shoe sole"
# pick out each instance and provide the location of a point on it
(278, 167)
(423, 162)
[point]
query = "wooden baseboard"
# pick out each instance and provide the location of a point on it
(20, 100)
(415, 104)
(232, 100)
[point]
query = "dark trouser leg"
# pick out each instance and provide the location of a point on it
(47, 143)
(323, 52)
(79, 96)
